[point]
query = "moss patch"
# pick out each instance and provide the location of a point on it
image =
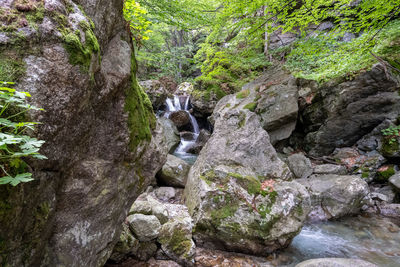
(179, 242)
(384, 174)
(81, 53)
(141, 119)
(243, 94)
(251, 106)
(12, 67)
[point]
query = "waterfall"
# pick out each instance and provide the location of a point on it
(175, 105)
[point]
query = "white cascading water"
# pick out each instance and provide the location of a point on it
(175, 105)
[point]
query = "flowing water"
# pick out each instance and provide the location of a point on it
(181, 151)
(374, 239)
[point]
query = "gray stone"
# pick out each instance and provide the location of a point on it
(330, 169)
(165, 193)
(146, 250)
(171, 134)
(156, 92)
(335, 262)
(233, 190)
(96, 165)
(395, 181)
(342, 111)
(145, 227)
(278, 105)
(300, 165)
(176, 239)
(335, 196)
(174, 172)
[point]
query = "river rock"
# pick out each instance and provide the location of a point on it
(330, 169)
(176, 240)
(145, 227)
(335, 196)
(335, 262)
(395, 181)
(156, 92)
(300, 165)
(232, 194)
(180, 118)
(343, 111)
(171, 134)
(165, 194)
(174, 172)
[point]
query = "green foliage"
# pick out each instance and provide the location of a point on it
(392, 133)
(15, 144)
(138, 22)
(325, 57)
(226, 70)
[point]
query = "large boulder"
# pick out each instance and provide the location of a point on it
(75, 59)
(203, 103)
(174, 172)
(335, 196)
(232, 192)
(343, 111)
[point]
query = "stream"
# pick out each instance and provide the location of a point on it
(374, 239)
(175, 104)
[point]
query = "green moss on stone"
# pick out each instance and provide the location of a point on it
(251, 106)
(383, 176)
(12, 67)
(390, 148)
(179, 242)
(141, 118)
(251, 184)
(243, 94)
(242, 119)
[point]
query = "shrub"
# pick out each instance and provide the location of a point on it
(15, 144)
